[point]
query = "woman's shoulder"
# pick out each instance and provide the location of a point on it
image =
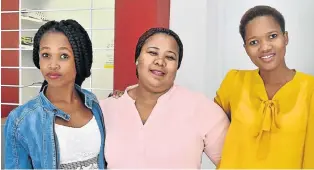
(238, 72)
(235, 77)
(307, 80)
(113, 102)
(25, 112)
(90, 95)
(305, 77)
(195, 100)
(191, 96)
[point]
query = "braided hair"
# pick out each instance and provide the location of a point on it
(80, 43)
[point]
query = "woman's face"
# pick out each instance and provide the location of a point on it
(265, 43)
(158, 62)
(56, 60)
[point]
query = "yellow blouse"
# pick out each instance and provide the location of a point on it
(277, 133)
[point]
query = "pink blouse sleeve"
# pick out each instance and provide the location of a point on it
(214, 126)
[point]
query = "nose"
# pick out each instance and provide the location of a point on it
(160, 61)
(265, 46)
(54, 65)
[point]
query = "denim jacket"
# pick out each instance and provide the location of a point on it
(31, 141)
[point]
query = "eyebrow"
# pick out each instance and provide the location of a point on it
(167, 51)
(61, 48)
(153, 48)
(44, 48)
(173, 53)
(64, 48)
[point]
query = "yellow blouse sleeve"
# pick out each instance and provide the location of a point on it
(223, 93)
(308, 157)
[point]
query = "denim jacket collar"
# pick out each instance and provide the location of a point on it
(47, 105)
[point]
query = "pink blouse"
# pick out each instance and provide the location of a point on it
(182, 126)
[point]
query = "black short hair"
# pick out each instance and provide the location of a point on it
(152, 31)
(257, 11)
(80, 43)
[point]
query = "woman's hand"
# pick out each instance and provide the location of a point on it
(116, 94)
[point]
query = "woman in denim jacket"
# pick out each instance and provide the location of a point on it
(61, 128)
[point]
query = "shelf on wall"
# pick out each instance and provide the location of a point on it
(33, 20)
(26, 47)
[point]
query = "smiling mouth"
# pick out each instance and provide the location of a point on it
(267, 58)
(157, 73)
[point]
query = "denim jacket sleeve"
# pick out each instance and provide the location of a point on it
(16, 155)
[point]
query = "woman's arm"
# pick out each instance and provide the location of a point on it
(16, 157)
(223, 93)
(308, 155)
(214, 126)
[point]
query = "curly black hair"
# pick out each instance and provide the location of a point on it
(80, 43)
(257, 11)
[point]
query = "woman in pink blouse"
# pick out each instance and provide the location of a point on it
(156, 124)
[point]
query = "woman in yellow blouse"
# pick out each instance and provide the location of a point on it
(271, 108)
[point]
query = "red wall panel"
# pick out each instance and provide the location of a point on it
(132, 18)
(9, 58)
(9, 76)
(9, 5)
(5, 109)
(10, 39)
(9, 95)
(9, 21)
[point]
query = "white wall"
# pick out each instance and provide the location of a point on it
(213, 45)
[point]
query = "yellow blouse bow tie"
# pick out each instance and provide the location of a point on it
(269, 112)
